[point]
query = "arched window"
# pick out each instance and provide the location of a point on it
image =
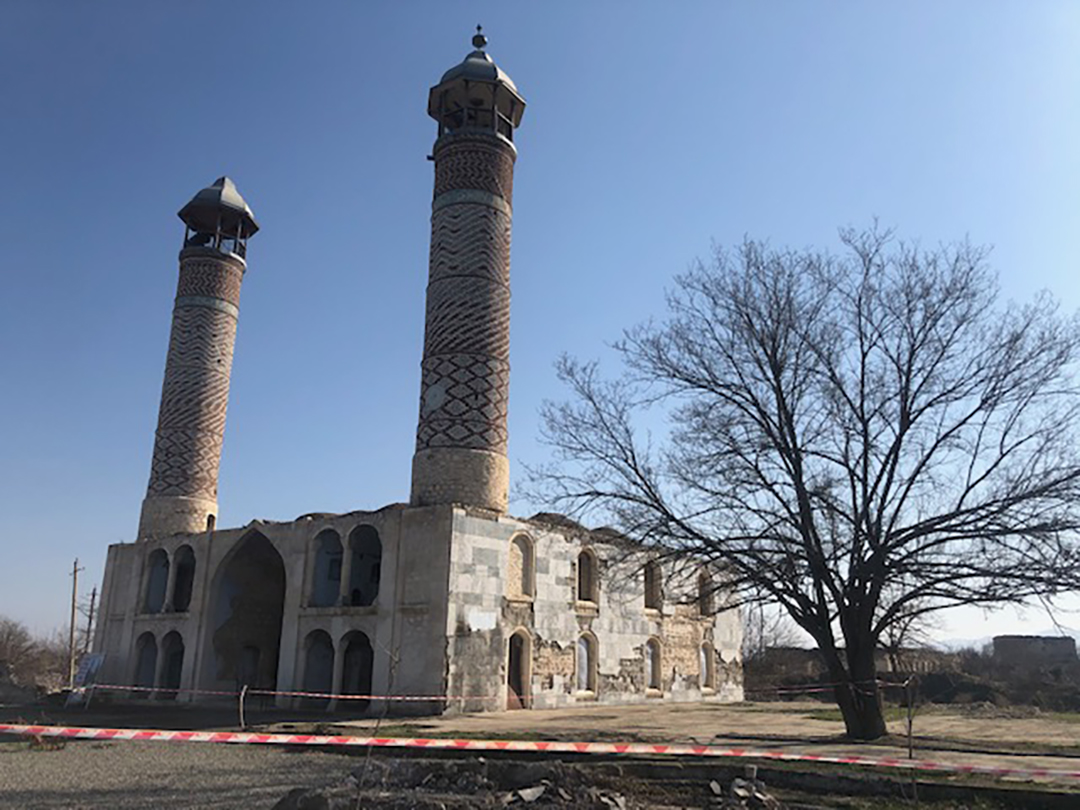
(707, 667)
(157, 581)
(365, 547)
(653, 586)
(705, 601)
(184, 561)
(586, 663)
(653, 669)
(587, 590)
(521, 573)
(326, 572)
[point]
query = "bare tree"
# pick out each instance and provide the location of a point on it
(910, 630)
(860, 439)
(764, 630)
(18, 651)
(39, 662)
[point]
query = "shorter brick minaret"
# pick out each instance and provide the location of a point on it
(465, 372)
(182, 494)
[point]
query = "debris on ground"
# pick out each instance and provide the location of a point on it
(744, 794)
(389, 784)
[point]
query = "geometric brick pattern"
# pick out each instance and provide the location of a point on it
(465, 379)
(470, 239)
(195, 393)
(474, 161)
(185, 464)
(200, 338)
(464, 402)
(210, 278)
(467, 314)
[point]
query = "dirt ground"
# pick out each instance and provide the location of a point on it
(980, 735)
(775, 723)
(1019, 739)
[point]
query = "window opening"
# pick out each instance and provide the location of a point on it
(653, 588)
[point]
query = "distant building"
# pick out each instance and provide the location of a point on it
(446, 596)
(1032, 652)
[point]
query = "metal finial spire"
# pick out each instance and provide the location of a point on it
(479, 40)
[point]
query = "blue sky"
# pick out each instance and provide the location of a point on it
(652, 131)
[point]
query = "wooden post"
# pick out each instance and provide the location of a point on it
(910, 691)
(90, 621)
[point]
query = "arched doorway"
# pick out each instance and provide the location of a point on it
(586, 664)
(653, 671)
(356, 669)
(248, 603)
(318, 667)
(172, 651)
(145, 663)
(519, 671)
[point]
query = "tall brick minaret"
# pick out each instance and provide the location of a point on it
(182, 495)
(465, 380)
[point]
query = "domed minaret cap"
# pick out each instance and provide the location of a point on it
(478, 82)
(219, 205)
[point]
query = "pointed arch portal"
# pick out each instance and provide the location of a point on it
(248, 602)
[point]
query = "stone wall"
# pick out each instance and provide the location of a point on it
(404, 625)
(442, 621)
(485, 612)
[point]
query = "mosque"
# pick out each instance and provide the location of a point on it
(447, 599)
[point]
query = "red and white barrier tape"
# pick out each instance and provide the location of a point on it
(554, 747)
(108, 687)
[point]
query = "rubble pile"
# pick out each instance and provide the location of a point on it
(393, 784)
(744, 794)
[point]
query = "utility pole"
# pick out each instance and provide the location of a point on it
(71, 631)
(90, 621)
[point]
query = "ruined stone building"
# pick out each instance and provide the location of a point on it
(447, 596)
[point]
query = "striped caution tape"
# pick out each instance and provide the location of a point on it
(552, 746)
(113, 687)
(272, 692)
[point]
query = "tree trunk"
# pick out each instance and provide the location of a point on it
(857, 694)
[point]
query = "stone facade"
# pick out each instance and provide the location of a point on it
(553, 615)
(452, 588)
